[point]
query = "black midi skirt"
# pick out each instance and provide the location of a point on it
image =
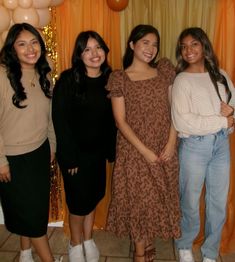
(25, 200)
(86, 188)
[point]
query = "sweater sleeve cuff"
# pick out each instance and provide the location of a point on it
(225, 122)
(3, 161)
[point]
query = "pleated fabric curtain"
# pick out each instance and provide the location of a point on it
(224, 44)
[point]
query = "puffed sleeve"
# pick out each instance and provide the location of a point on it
(115, 83)
(167, 69)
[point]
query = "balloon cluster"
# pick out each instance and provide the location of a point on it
(34, 12)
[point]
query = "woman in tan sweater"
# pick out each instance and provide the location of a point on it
(27, 140)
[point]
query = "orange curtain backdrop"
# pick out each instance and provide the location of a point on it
(72, 17)
(224, 43)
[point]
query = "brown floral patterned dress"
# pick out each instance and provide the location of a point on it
(145, 197)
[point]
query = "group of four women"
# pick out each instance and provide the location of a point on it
(151, 105)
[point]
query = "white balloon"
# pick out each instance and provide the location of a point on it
(25, 3)
(56, 2)
(23, 15)
(10, 4)
(44, 17)
(41, 3)
(5, 19)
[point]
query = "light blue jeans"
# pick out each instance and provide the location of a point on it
(204, 159)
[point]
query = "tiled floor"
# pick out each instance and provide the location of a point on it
(112, 249)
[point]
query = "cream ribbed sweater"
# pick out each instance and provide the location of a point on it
(196, 106)
(24, 130)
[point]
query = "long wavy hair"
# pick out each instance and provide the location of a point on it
(78, 67)
(9, 59)
(136, 34)
(211, 61)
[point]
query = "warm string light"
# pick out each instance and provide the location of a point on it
(56, 206)
(49, 33)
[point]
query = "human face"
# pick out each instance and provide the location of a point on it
(28, 49)
(192, 51)
(145, 49)
(93, 55)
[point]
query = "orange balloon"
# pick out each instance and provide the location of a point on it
(44, 17)
(5, 19)
(29, 15)
(117, 5)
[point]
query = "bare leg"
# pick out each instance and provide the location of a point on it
(88, 225)
(26, 251)
(139, 251)
(76, 229)
(42, 248)
(25, 243)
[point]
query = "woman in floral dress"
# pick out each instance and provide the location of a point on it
(145, 199)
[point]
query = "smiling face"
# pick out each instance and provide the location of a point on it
(93, 55)
(28, 49)
(192, 51)
(145, 49)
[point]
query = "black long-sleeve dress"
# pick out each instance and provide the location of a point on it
(86, 134)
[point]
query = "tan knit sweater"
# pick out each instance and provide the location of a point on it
(24, 130)
(196, 105)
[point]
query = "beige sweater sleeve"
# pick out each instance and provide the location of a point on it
(193, 110)
(51, 133)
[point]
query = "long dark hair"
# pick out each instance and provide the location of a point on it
(137, 33)
(9, 59)
(211, 61)
(78, 66)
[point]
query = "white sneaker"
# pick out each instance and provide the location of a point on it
(76, 254)
(186, 255)
(205, 259)
(26, 255)
(91, 251)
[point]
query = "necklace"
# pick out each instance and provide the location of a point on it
(32, 81)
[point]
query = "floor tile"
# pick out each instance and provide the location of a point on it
(112, 249)
(164, 249)
(110, 245)
(58, 241)
(4, 234)
(118, 259)
(7, 256)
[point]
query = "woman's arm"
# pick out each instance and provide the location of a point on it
(168, 151)
(118, 105)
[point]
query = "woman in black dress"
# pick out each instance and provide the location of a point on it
(85, 132)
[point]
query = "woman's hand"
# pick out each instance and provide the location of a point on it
(150, 156)
(167, 152)
(5, 175)
(226, 110)
(73, 171)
